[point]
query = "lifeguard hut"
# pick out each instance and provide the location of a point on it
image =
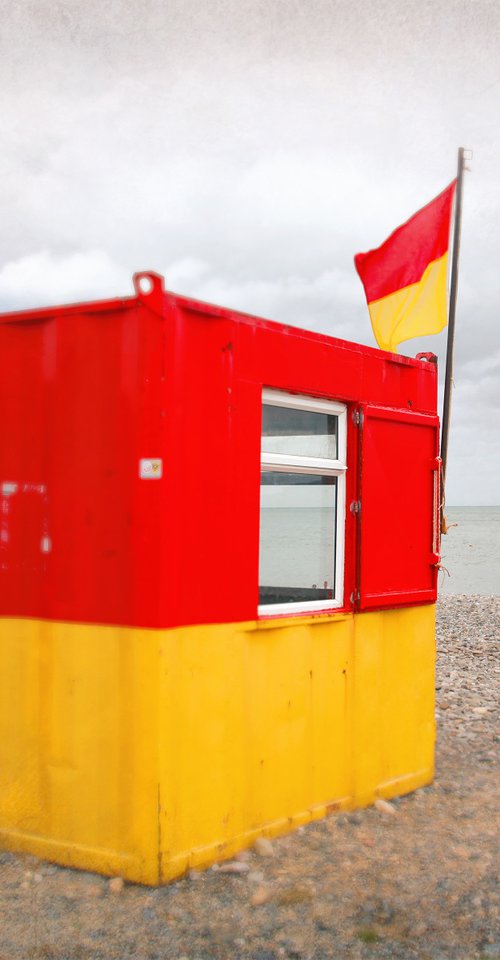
(218, 561)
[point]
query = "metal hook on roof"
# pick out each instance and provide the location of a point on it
(150, 289)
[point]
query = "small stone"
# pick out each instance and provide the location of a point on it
(71, 889)
(94, 891)
(296, 893)
(354, 818)
(243, 856)
(116, 885)
(194, 874)
(263, 847)
(262, 895)
(480, 711)
(37, 878)
(234, 866)
(418, 930)
(383, 806)
(255, 876)
(367, 840)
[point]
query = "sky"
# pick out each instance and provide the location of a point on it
(247, 150)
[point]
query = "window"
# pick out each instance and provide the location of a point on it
(302, 503)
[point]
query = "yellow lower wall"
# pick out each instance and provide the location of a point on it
(143, 752)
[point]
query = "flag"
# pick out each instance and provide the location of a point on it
(405, 278)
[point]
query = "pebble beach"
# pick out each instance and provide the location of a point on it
(413, 879)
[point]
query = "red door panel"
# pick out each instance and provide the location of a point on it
(399, 506)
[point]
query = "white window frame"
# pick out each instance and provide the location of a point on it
(322, 466)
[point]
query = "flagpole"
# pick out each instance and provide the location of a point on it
(445, 427)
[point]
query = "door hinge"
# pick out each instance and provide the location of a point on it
(355, 597)
(355, 506)
(357, 417)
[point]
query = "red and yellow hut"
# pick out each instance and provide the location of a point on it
(218, 550)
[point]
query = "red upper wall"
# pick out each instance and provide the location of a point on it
(87, 391)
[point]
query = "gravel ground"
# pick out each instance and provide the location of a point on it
(415, 879)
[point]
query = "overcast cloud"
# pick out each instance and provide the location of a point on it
(247, 150)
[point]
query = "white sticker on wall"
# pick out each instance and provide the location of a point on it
(151, 468)
(8, 489)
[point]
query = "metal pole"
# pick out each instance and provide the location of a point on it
(445, 428)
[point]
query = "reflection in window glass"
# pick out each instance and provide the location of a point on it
(297, 537)
(300, 433)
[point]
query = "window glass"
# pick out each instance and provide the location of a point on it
(297, 537)
(301, 433)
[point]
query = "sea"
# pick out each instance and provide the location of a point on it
(470, 552)
(295, 550)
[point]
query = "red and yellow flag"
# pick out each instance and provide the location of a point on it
(405, 278)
